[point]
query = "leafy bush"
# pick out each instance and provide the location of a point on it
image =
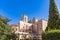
(51, 35)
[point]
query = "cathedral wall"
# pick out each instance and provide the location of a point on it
(44, 24)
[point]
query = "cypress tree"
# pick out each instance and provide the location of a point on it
(59, 22)
(53, 16)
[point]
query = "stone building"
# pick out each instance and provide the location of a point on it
(29, 29)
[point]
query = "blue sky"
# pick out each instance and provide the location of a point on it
(13, 9)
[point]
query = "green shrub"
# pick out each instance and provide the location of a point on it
(51, 35)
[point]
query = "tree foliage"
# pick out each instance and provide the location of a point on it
(5, 30)
(53, 16)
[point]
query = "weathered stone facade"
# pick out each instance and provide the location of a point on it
(32, 29)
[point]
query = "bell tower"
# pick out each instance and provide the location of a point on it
(24, 18)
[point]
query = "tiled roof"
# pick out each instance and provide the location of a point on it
(14, 25)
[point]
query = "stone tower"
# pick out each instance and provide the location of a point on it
(24, 18)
